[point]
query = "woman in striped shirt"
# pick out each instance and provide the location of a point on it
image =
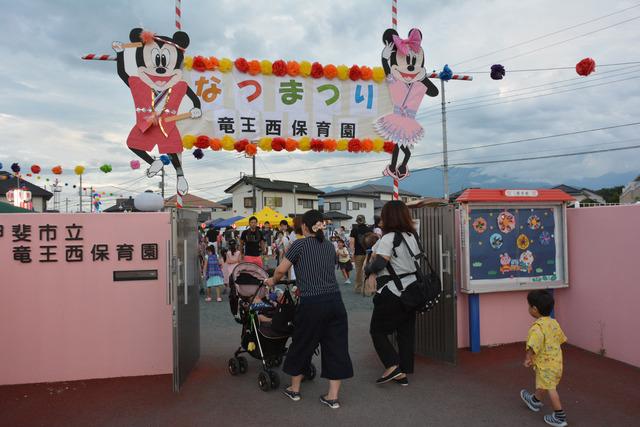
(321, 318)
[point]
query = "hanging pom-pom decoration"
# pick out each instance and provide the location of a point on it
(198, 154)
(446, 73)
(586, 67)
(497, 72)
(57, 170)
(15, 168)
(106, 168)
(251, 149)
(35, 169)
(147, 37)
(78, 170)
(135, 164)
(165, 159)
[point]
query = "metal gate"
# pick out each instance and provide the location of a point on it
(185, 287)
(436, 335)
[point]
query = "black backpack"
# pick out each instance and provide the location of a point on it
(423, 294)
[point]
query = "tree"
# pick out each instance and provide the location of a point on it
(611, 194)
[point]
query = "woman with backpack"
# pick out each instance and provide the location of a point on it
(395, 268)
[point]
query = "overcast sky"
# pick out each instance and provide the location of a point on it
(57, 109)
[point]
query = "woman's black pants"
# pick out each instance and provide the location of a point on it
(389, 316)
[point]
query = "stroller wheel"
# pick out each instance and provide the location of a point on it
(233, 366)
(243, 366)
(275, 380)
(264, 382)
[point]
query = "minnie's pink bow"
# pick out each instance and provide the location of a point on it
(411, 43)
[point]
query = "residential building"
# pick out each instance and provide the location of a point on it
(631, 193)
(337, 219)
(286, 197)
(581, 194)
(206, 209)
(39, 196)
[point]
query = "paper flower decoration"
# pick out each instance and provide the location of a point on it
(35, 169)
(198, 154)
(251, 149)
(15, 167)
(165, 159)
(254, 67)
(78, 170)
(343, 72)
(304, 144)
(291, 144)
(378, 145)
(278, 144)
(497, 72)
(366, 73)
(225, 65)
(241, 65)
(279, 68)
(135, 164)
(266, 67)
(202, 142)
(330, 145)
(446, 73)
(523, 242)
(57, 170)
(293, 68)
(316, 70)
(215, 144)
(316, 145)
(355, 73)
(378, 74)
(388, 147)
(228, 142)
(342, 144)
(586, 67)
(305, 68)
(199, 64)
(367, 145)
(106, 168)
(240, 145)
(265, 143)
(188, 141)
(330, 71)
(354, 146)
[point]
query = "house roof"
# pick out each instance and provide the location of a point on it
(228, 202)
(9, 183)
(387, 189)
(274, 185)
(568, 189)
(335, 215)
(344, 193)
(193, 201)
(499, 195)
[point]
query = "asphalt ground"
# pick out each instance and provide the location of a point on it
(481, 390)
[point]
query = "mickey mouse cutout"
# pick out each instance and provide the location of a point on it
(157, 90)
(403, 63)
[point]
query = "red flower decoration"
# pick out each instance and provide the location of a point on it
(355, 146)
(317, 145)
(277, 144)
(279, 68)
(254, 67)
(291, 144)
(202, 142)
(389, 146)
(242, 65)
(241, 145)
(35, 169)
(199, 64)
(316, 70)
(251, 149)
(354, 73)
(586, 67)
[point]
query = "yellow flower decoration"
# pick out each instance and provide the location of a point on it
(304, 143)
(225, 65)
(378, 74)
(265, 67)
(305, 68)
(188, 141)
(343, 72)
(227, 142)
(378, 145)
(188, 62)
(342, 144)
(265, 143)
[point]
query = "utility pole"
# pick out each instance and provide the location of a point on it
(295, 204)
(253, 158)
(80, 193)
(445, 154)
(162, 185)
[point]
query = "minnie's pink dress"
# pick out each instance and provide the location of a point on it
(401, 126)
(230, 264)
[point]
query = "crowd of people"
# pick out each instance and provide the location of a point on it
(383, 255)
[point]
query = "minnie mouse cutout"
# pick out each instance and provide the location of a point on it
(157, 90)
(403, 63)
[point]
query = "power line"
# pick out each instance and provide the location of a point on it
(547, 35)
(561, 42)
(573, 67)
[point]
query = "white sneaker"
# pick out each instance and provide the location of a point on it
(155, 168)
(347, 282)
(182, 186)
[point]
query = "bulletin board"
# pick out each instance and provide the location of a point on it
(513, 247)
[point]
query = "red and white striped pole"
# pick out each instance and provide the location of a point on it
(178, 15)
(394, 25)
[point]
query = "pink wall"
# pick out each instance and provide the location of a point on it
(70, 320)
(600, 308)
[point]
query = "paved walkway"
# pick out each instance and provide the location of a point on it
(482, 390)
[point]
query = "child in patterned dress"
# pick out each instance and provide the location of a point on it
(213, 274)
(545, 355)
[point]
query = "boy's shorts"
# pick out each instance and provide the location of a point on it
(548, 378)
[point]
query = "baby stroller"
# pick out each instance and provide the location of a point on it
(267, 323)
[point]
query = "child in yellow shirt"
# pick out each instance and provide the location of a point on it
(545, 355)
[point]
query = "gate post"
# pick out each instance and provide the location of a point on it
(474, 322)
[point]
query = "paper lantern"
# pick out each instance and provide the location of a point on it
(135, 164)
(165, 159)
(57, 170)
(15, 167)
(198, 154)
(586, 67)
(35, 169)
(497, 72)
(79, 170)
(446, 73)
(106, 168)
(148, 202)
